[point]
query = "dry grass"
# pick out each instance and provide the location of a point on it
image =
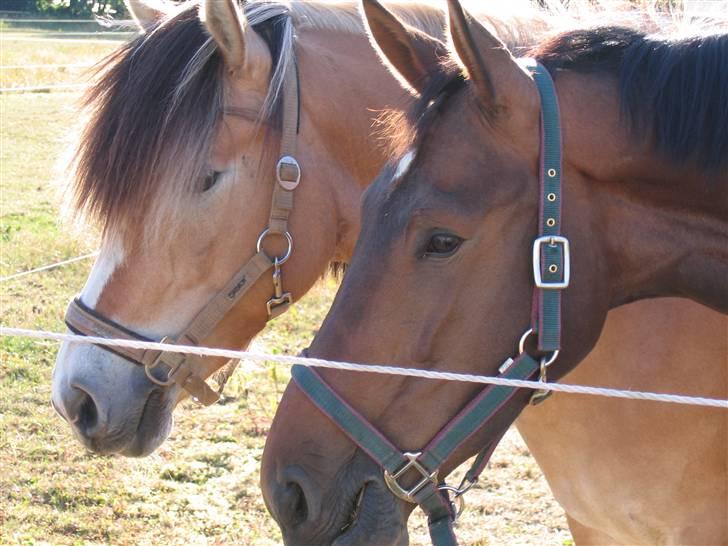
(201, 487)
(31, 47)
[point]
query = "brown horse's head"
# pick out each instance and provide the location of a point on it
(441, 276)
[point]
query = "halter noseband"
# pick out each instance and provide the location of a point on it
(551, 267)
(182, 369)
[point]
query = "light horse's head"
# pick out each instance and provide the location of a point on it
(178, 162)
(455, 239)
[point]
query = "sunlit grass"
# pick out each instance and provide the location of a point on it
(20, 49)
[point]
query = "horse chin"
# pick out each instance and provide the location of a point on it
(155, 425)
(377, 518)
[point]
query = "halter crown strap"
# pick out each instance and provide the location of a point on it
(551, 261)
(182, 369)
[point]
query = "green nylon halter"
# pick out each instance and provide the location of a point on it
(551, 275)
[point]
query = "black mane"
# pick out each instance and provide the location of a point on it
(675, 91)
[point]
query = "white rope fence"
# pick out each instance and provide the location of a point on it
(367, 368)
(44, 88)
(49, 266)
(59, 41)
(59, 34)
(99, 21)
(44, 66)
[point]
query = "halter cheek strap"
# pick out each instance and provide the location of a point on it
(550, 256)
(183, 370)
(422, 467)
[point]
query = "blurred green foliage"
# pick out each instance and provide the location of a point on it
(68, 8)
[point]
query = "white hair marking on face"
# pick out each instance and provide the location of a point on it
(404, 165)
(111, 256)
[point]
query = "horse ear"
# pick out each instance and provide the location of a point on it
(226, 23)
(413, 56)
(490, 66)
(146, 13)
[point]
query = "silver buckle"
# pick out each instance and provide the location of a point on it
(289, 184)
(408, 494)
(551, 240)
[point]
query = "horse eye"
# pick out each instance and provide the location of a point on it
(443, 244)
(210, 180)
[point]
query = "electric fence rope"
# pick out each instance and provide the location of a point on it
(47, 267)
(367, 368)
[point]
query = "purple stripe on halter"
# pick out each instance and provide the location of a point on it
(467, 409)
(541, 169)
(354, 412)
(461, 414)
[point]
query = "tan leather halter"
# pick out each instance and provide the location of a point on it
(181, 369)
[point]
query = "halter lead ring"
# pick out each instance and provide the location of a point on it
(268, 233)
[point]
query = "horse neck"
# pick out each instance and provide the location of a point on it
(663, 227)
(344, 88)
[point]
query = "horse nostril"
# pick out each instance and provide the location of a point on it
(83, 413)
(297, 499)
(88, 415)
(294, 509)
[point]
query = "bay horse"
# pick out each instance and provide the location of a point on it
(178, 187)
(455, 235)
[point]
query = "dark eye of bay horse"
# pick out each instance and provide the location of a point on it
(441, 275)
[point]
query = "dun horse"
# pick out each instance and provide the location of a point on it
(183, 191)
(488, 231)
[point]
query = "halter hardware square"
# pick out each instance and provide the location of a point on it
(401, 492)
(288, 172)
(551, 240)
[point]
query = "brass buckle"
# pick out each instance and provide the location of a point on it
(408, 494)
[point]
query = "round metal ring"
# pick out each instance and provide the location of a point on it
(522, 349)
(281, 259)
(522, 343)
(457, 497)
(547, 362)
(161, 382)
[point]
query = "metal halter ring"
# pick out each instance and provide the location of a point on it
(149, 367)
(282, 259)
(291, 163)
(457, 497)
(546, 362)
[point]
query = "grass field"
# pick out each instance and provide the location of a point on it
(201, 487)
(23, 49)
